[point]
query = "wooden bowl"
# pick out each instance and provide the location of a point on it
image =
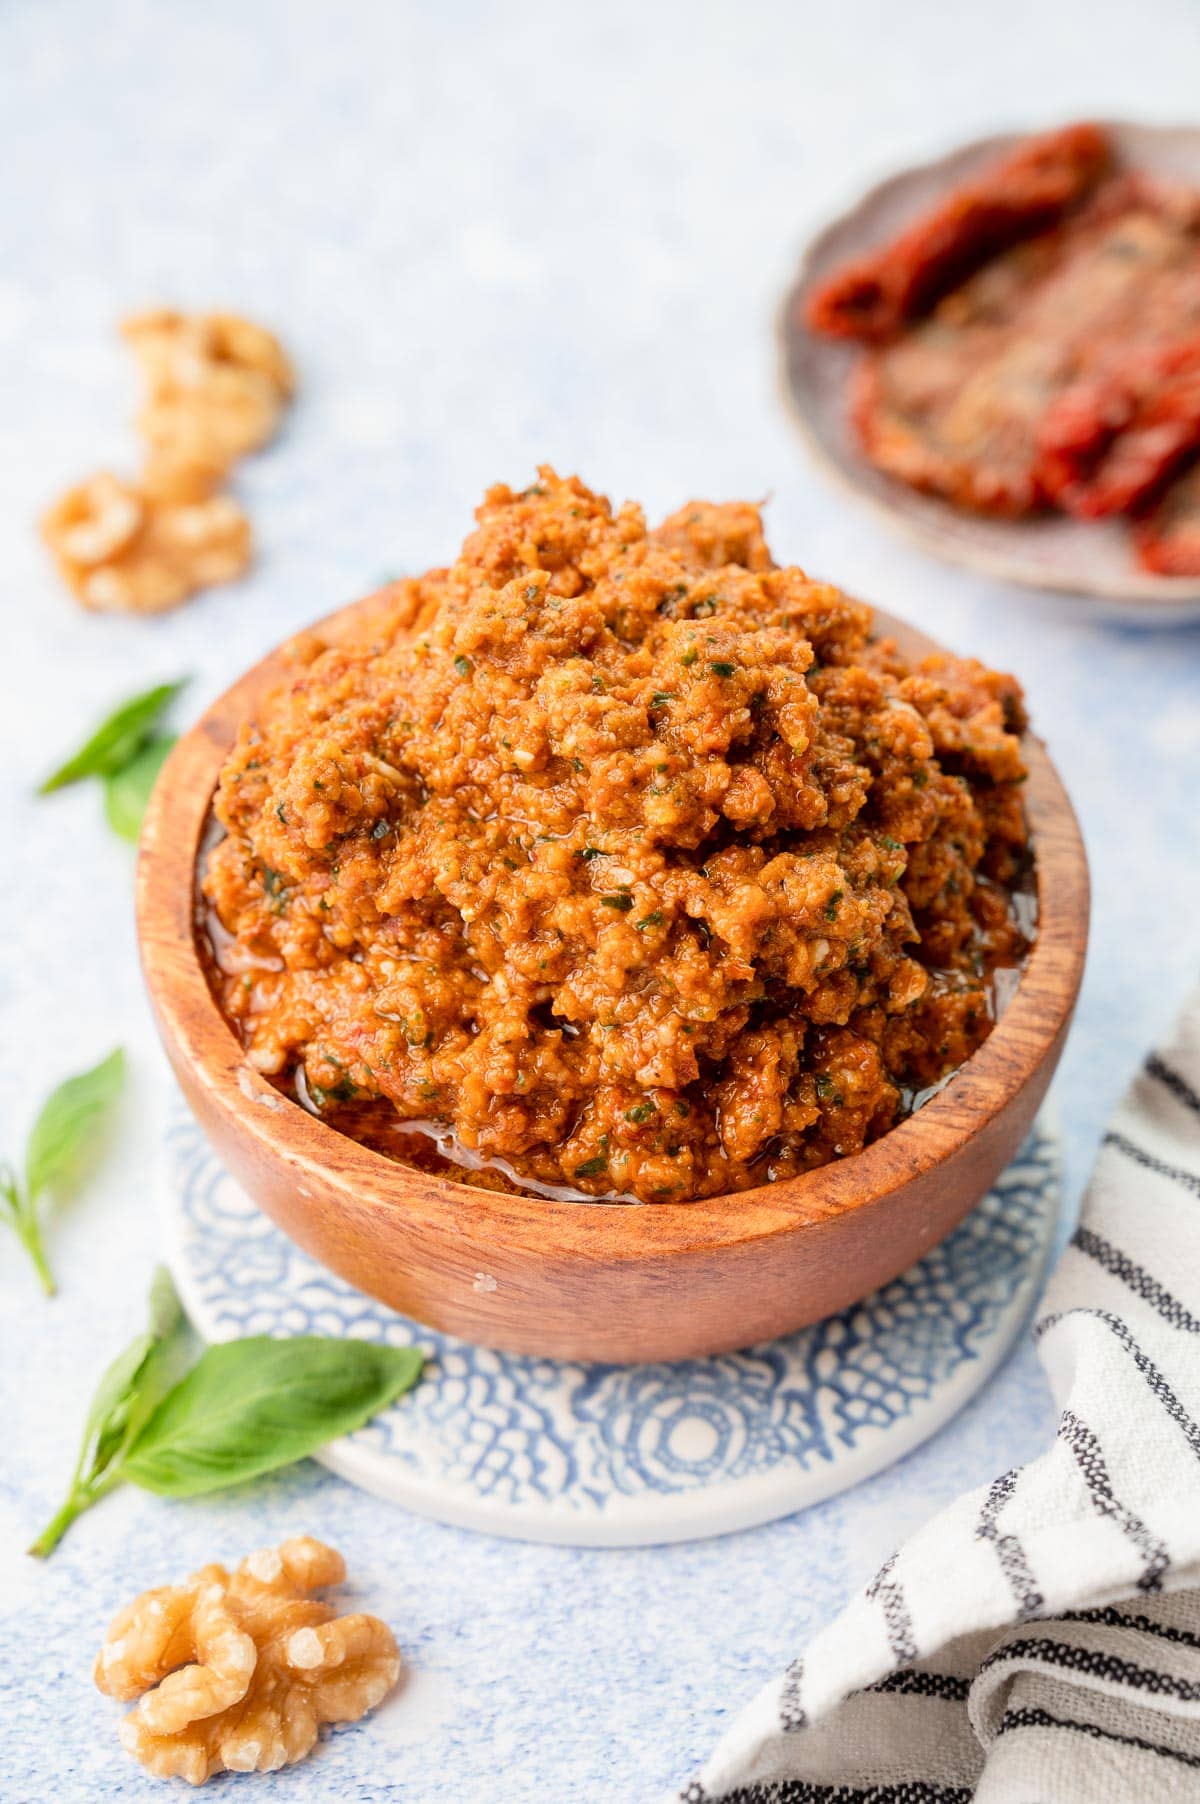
(1092, 558)
(601, 1281)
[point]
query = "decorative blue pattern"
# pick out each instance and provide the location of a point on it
(519, 1443)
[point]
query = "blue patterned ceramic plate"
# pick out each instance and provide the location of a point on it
(599, 1455)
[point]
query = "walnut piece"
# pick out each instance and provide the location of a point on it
(216, 384)
(141, 548)
(239, 1670)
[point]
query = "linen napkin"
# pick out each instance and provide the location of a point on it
(1038, 1642)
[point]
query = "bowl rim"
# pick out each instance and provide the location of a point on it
(200, 1042)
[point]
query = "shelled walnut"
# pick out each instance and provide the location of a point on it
(139, 548)
(217, 384)
(216, 388)
(237, 1671)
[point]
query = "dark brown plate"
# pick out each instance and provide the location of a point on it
(1092, 558)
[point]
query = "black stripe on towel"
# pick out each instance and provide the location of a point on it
(1178, 1086)
(1145, 1365)
(1068, 1656)
(1140, 1281)
(1089, 1457)
(792, 1714)
(1042, 1719)
(1178, 1174)
(896, 1620)
(805, 1791)
(1110, 1618)
(925, 1685)
(1009, 1552)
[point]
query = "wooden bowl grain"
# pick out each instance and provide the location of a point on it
(601, 1281)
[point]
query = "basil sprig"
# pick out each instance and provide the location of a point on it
(56, 1153)
(245, 1408)
(126, 753)
(125, 1397)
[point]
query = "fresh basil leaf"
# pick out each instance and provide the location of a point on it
(126, 791)
(251, 1405)
(115, 1390)
(10, 1195)
(116, 739)
(136, 1380)
(19, 1214)
(125, 1397)
(114, 1393)
(67, 1120)
(166, 1312)
(159, 1370)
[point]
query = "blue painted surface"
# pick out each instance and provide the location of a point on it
(491, 234)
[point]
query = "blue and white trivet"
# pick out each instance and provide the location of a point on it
(599, 1455)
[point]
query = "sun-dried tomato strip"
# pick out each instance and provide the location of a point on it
(1111, 439)
(1021, 194)
(1167, 540)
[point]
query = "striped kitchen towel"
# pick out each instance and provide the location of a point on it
(1039, 1641)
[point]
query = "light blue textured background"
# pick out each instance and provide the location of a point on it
(490, 235)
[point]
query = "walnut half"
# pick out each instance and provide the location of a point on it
(239, 1670)
(217, 384)
(139, 548)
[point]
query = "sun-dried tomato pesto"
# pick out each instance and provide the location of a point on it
(624, 862)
